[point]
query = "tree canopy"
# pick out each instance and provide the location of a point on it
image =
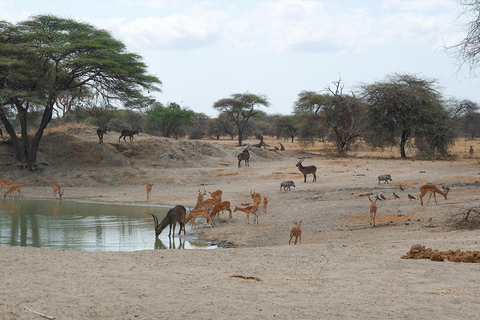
(46, 58)
(405, 106)
(240, 107)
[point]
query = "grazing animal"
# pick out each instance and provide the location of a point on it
(148, 188)
(433, 190)
(395, 195)
(411, 197)
(57, 189)
(101, 132)
(384, 177)
(127, 133)
(225, 205)
(307, 170)
(12, 189)
(265, 204)
(244, 156)
(199, 212)
(286, 185)
(296, 232)
(5, 183)
(372, 210)
(249, 210)
(175, 215)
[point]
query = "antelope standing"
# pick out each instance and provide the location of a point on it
(307, 170)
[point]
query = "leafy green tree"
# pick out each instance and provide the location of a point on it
(45, 58)
(404, 107)
(170, 120)
(286, 126)
(340, 112)
(240, 107)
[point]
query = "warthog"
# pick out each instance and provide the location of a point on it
(286, 185)
(384, 177)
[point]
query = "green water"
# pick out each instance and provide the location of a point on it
(77, 225)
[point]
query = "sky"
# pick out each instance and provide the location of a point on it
(204, 51)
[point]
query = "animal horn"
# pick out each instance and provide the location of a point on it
(155, 219)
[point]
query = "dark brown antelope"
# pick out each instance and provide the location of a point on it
(296, 232)
(101, 132)
(127, 133)
(174, 215)
(433, 190)
(244, 156)
(307, 170)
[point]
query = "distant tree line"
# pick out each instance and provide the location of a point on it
(56, 71)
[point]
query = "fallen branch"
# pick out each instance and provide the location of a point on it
(245, 277)
(40, 314)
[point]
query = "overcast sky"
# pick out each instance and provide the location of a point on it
(204, 51)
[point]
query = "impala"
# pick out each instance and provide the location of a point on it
(201, 195)
(148, 188)
(57, 189)
(225, 205)
(209, 203)
(265, 203)
(296, 232)
(248, 210)
(372, 210)
(5, 183)
(199, 212)
(433, 190)
(216, 194)
(12, 189)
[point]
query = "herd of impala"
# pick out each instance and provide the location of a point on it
(211, 208)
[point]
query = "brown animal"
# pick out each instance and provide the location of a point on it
(216, 194)
(296, 232)
(209, 203)
(101, 132)
(175, 215)
(12, 189)
(244, 156)
(265, 203)
(5, 183)
(307, 170)
(148, 188)
(57, 189)
(249, 210)
(199, 212)
(127, 133)
(224, 205)
(373, 211)
(201, 195)
(433, 190)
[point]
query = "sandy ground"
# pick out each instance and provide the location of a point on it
(344, 268)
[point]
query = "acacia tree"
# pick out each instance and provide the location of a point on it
(404, 107)
(240, 108)
(338, 111)
(45, 58)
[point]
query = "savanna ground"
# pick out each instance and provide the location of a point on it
(344, 268)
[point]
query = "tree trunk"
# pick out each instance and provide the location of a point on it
(13, 135)
(47, 116)
(403, 142)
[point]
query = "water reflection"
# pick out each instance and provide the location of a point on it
(76, 225)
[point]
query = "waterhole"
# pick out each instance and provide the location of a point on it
(87, 226)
